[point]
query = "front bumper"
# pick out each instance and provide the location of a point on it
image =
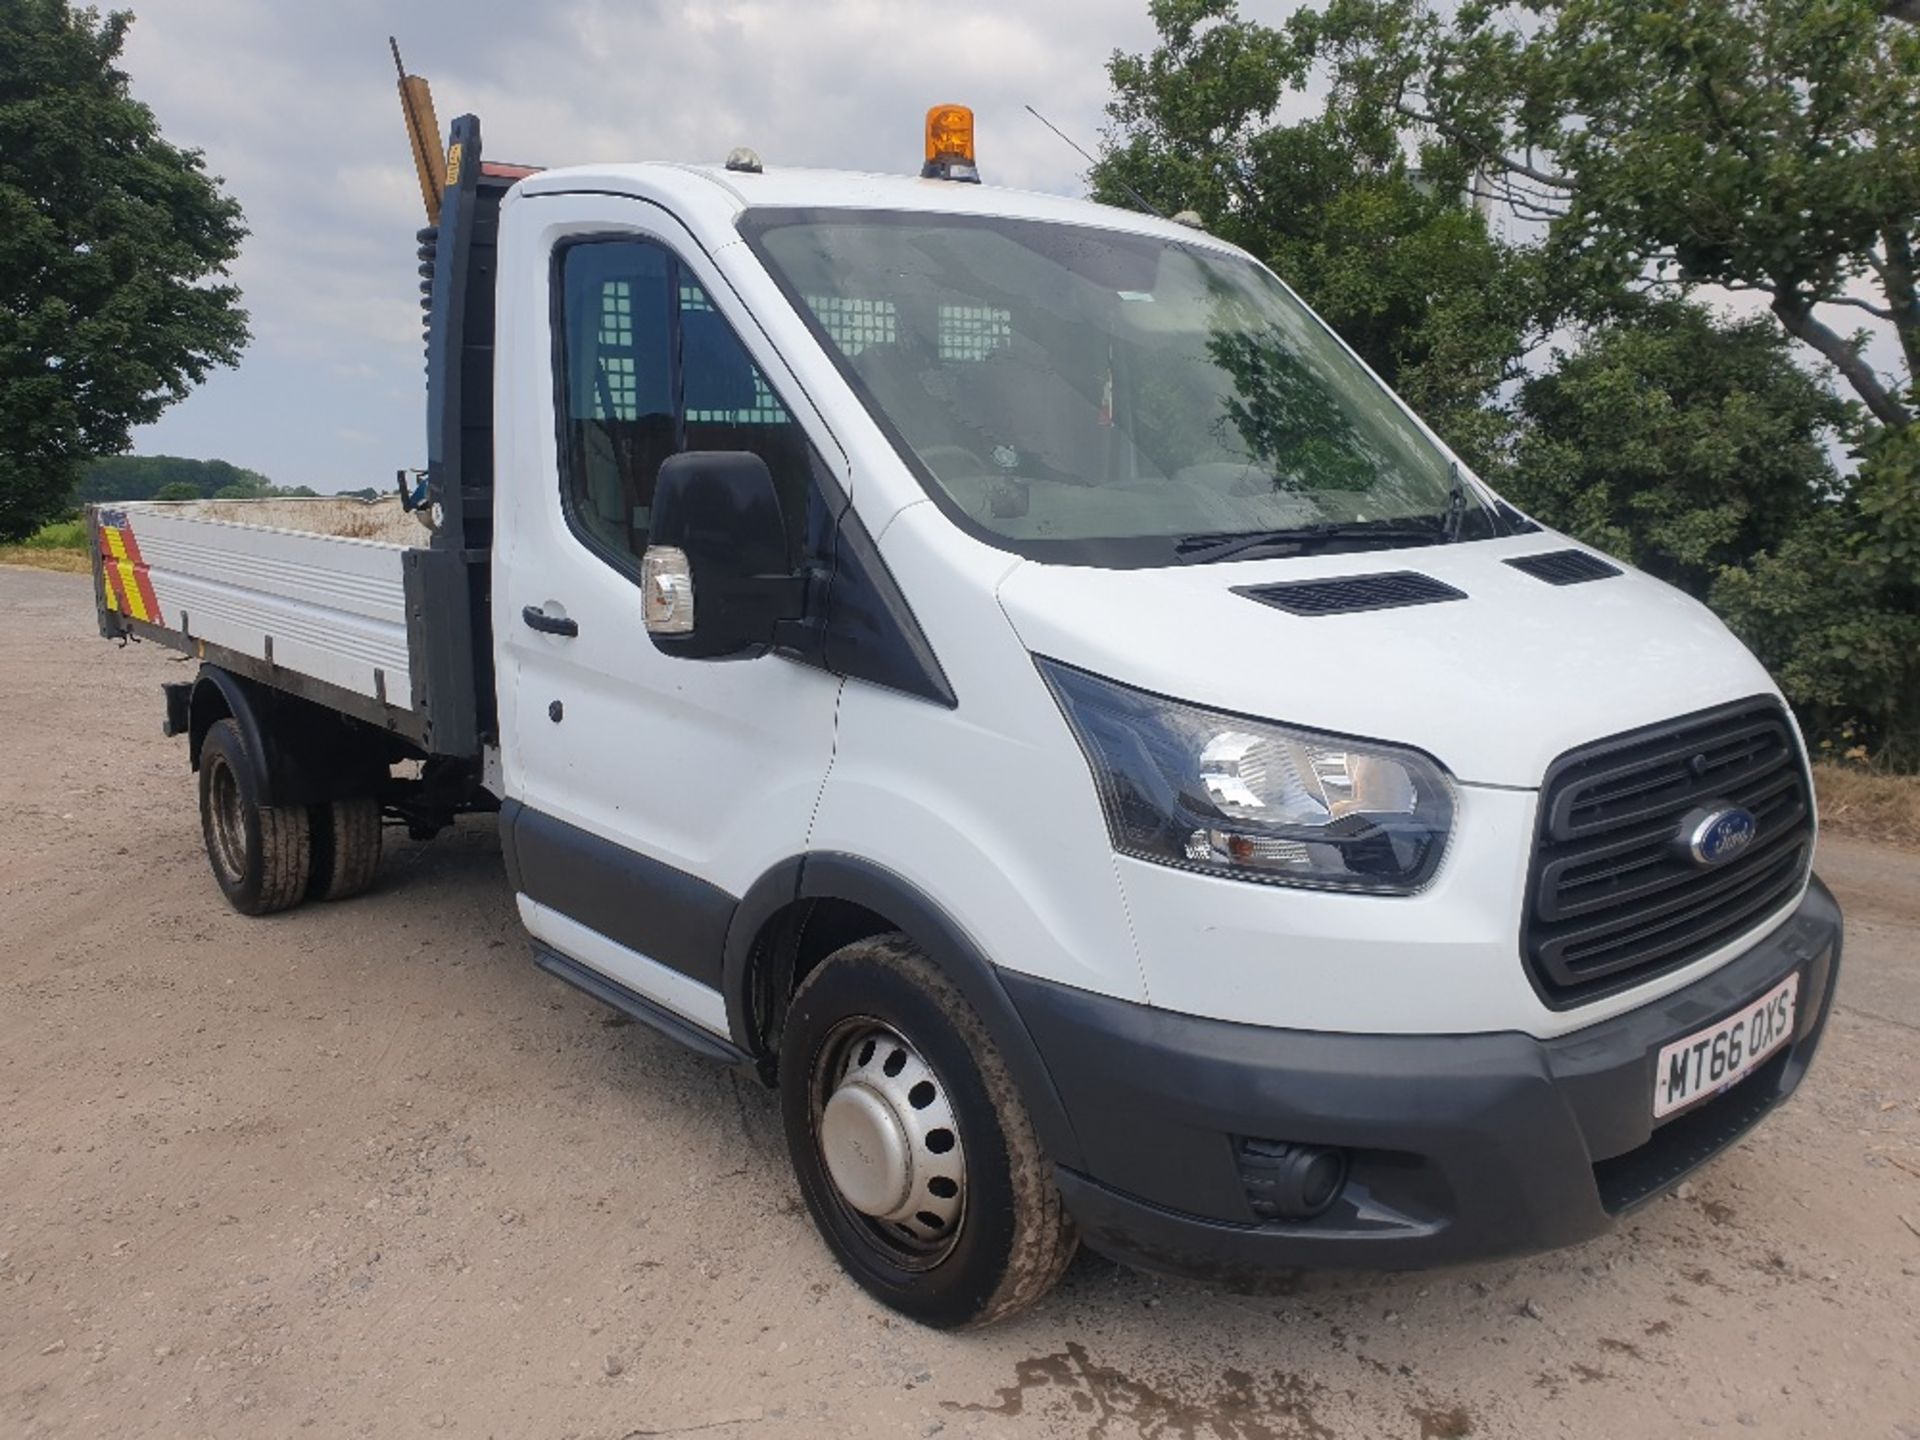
(1463, 1146)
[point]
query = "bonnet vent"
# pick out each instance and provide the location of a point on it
(1565, 567)
(1390, 590)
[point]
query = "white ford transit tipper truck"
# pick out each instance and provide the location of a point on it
(998, 668)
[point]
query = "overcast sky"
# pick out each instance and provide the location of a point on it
(295, 106)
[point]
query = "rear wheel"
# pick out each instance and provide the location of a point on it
(912, 1149)
(346, 847)
(261, 855)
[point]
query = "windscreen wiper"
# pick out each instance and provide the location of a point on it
(1205, 549)
(1456, 515)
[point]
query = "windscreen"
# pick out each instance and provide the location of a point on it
(1092, 396)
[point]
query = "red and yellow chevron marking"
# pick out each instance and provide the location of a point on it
(123, 574)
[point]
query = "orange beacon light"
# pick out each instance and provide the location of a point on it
(950, 145)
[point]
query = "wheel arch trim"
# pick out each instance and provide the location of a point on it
(832, 875)
(220, 695)
(303, 753)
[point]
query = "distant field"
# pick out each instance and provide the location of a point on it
(59, 546)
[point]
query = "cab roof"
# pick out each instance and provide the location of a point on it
(716, 195)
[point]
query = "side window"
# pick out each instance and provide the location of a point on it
(726, 404)
(651, 369)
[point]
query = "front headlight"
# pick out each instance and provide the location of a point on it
(1209, 791)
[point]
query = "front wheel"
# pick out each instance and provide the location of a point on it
(912, 1149)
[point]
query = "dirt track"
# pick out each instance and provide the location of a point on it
(361, 1170)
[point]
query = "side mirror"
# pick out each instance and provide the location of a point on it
(715, 580)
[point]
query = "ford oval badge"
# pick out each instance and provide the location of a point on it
(1715, 836)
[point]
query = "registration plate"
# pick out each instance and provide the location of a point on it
(1708, 1061)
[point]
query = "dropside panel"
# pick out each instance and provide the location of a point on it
(329, 608)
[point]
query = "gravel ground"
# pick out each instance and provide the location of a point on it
(361, 1170)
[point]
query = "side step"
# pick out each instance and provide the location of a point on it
(658, 1017)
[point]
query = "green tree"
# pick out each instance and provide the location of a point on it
(1763, 145)
(1678, 441)
(113, 249)
(1835, 608)
(143, 477)
(1381, 243)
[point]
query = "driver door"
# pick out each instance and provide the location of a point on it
(648, 792)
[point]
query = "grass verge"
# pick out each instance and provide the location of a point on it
(60, 535)
(71, 561)
(59, 546)
(1868, 804)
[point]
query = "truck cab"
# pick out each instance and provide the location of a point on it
(1000, 669)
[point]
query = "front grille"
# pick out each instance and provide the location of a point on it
(1347, 594)
(1613, 898)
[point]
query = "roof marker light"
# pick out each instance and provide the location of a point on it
(744, 160)
(950, 145)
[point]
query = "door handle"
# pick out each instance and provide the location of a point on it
(538, 619)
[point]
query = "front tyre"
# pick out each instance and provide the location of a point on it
(915, 1155)
(262, 855)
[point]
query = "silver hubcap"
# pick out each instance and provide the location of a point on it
(229, 825)
(890, 1142)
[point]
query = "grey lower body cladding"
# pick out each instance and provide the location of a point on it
(649, 907)
(1460, 1147)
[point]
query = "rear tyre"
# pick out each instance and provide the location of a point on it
(262, 855)
(910, 1144)
(346, 847)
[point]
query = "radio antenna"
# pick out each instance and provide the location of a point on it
(1138, 199)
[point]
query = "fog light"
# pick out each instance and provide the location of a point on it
(1291, 1182)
